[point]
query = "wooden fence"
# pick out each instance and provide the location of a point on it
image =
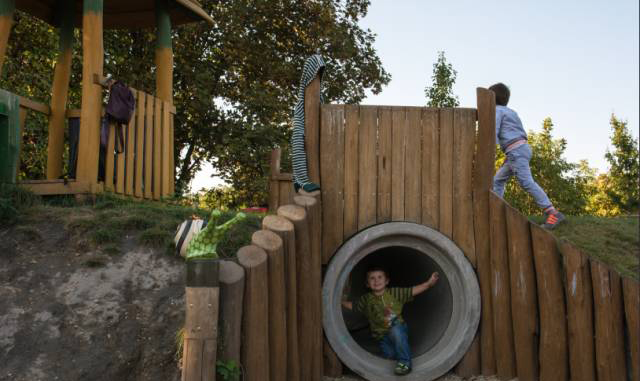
(548, 311)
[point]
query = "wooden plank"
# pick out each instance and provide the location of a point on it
(631, 292)
(140, 115)
(579, 314)
(130, 154)
(271, 243)
(120, 161)
(463, 145)
(157, 149)
(311, 129)
(200, 332)
(285, 192)
(231, 276)
(431, 168)
(446, 172)
(367, 166)
(553, 352)
(385, 151)
(399, 128)
(350, 224)
(501, 296)
(35, 106)
(609, 323)
(53, 187)
(109, 159)
(172, 159)
(255, 328)
(331, 149)
(482, 181)
(148, 147)
(524, 309)
(284, 228)
(470, 364)
(274, 195)
(413, 167)
(167, 173)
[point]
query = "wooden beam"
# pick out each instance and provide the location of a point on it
(35, 106)
(164, 52)
(53, 187)
(7, 7)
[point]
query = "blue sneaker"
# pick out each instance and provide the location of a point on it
(552, 220)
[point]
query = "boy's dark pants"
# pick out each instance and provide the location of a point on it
(395, 344)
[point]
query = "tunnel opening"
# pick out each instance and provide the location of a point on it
(427, 316)
(442, 321)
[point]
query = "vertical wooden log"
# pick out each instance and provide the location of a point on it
(332, 365)
(92, 63)
(579, 314)
(109, 160)
(350, 225)
(553, 350)
(367, 136)
(446, 172)
(463, 144)
(524, 311)
(130, 156)
(140, 112)
(431, 168)
(501, 297)
(7, 8)
(308, 321)
(167, 171)
(120, 162)
(314, 277)
(255, 327)
(399, 131)
(172, 156)
(148, 147)
(482, 180)
(332, 162)
(60, 89)
(631, 293)
(385, 152)
(202, 296)
(271, 243)
(274, 169)
(157, 149)
(312, 129)
(609, 324)
(164, 52)
(413, 167)
(284, 228)
(470, 363)
(231, 297)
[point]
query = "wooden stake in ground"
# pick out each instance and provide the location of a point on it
(201, 322)
(255, 324)
(272, 245)
(231, 296)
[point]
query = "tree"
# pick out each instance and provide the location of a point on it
(440, 93)
(566, 184)
(234, 84)
(622, 179)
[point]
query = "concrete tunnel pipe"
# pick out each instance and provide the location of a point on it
(442, 322)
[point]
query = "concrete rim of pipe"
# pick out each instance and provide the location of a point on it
(460, 331)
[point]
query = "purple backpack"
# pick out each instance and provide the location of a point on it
(120, 109)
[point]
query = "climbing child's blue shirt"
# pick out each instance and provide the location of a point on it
(508, 127)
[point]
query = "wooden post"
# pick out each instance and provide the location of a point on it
(312, 129)
(274, 171)
(482, 180)
(501, 297)
(231, 296)
(332, 367)
(202, 297)
(7, 7)
(92, 63)
(308, 320)
(553, 352)
(579, 314)
(470, 363)
(609, 324)
(272, 245)
(60, 89)
(284, 228)
(314, 277)
(164, 52)
(631, 294)
(255, 324)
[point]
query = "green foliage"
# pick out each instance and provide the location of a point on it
(621, 184)
(228, 370)
(440, 93)
(567, 184)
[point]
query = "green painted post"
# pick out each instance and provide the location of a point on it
(9, 136)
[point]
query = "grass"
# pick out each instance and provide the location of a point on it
(614, 241)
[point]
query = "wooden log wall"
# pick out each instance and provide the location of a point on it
(549, 312)
(145, 168)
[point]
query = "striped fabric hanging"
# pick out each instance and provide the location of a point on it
(313, 66)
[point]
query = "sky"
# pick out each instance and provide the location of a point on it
(573, 61)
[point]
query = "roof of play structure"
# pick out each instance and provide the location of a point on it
(120, 14)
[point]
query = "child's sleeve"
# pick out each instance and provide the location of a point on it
(402, 294)
(360, 305)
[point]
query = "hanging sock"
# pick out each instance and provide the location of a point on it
(313, 66)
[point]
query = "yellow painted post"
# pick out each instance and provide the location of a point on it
(59, 91)
(7, 7)
(93, 61)
(164, 90)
